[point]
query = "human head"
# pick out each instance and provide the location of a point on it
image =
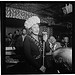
(10, 35)
(17, 32)
(33, 24)
(35, 29)
(52, 39)
(66, 39)
(23, 31)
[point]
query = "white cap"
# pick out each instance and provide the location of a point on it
(31, 21)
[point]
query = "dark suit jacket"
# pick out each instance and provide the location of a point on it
(31, 50)
(19, 42)
(19, 47)
(47, 46)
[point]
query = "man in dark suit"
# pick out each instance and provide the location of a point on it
(19, 44)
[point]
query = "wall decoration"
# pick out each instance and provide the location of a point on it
(22, 14)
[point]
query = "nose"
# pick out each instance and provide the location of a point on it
(37, 28)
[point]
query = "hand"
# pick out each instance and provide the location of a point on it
(49, 53)
(43, 69)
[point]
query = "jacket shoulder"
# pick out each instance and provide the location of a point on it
(27, 38)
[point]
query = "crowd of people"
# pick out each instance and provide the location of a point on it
(36, 51)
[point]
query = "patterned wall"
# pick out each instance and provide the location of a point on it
(21, 14)
(16, 13)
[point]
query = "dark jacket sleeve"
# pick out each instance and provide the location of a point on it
(19, 46)
(28, 56)
(47, 47)
(18, 42)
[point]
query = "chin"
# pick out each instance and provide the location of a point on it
(36, 33)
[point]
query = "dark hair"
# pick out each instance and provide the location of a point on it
(9, 33)
(15, 31)
(23, 28)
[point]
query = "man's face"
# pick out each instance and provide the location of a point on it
(35, 29)
(24, 31)
(10, 35)
(66, 39)
(17, 32)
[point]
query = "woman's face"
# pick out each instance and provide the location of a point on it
(35, 29)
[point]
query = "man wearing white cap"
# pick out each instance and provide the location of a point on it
(33, 45)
